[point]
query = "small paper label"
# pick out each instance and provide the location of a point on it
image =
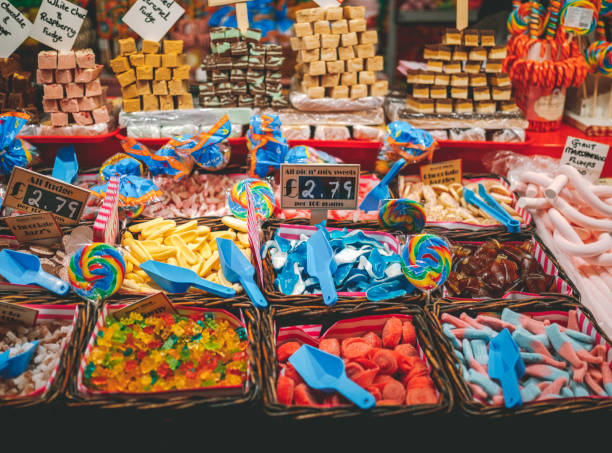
(152, 19)
(57, 24)
(12, 313)
(152, 305)
(586, 156)
(34, 227)
(442, 173)
(29, 191)
(580, 18)
(14, 28)
(463, 15)
(329, 3)
(307, 186)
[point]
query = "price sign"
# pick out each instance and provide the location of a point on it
(442, 173)
(11, 313)
(580, 18)
(586, 156)
(57, 23)
(306, 186)
(29, 191)
(152, 19)
(34, 227)
(152, 305)
(14, 28)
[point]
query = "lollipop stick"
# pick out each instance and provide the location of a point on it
(610, 101)
(595, 90)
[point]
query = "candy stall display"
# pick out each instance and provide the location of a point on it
(561, 361)
(16, 90)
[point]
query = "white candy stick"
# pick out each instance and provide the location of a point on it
(556, 186)
(585, 189)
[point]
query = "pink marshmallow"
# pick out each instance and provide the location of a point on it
(93, 88)
(50, 105)
(87, 75)
(59, 119)
(74, 90)
(53, 91)
(88, 104)
(82, 118)
(44, 76)
(69, 105)
(448, 318)
(47, 59)
(63, 75)
(85, 58)
(478, 391)
(100, 115)
(65, 60)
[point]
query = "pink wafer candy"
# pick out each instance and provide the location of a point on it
(588, 357)
(495, 323)
(448, 318)
(552, 389)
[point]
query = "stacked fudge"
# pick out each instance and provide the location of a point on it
(150, 80)
(464, 75)
(337, 54)
(71, 87)
(241, 71)
(16, 90)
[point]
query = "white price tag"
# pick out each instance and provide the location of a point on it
(586, 156)
(577, 17)
(152, 19)
(14, 28)
(57, 24)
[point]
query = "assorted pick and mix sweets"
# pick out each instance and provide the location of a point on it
(336, 54)
(16, 90)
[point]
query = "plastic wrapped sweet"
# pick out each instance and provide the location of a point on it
(14, 152)
(293, 117)
(266, 144)
(371, 133)
(199, 116)
(302, 101)
(165, 161)
(296, 132)
(303, 154)
(144, 131)
(178, 130)
(236, 129)
(474, 134)
(332, 133)
(207, 148)
(439, 134)
(509, 136)
(404, 142)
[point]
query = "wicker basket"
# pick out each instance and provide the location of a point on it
(70, 353)
(464, 394)
(275, 296)
(282, 315)
(248, 397)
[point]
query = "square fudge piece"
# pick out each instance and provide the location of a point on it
(88, 104)
(316, 92)
(144, 73)
(143, 87)
(166, 102)
(380, 88)
(150, 46)
(330, 80)
(317, 68)
(100, 115)
(330, 41)
(93, 88)
(88, 75)
(311, 42)
(368, 37)
(171, 60)
(160, 87)
(173, 46)
(150, 102)
(127, 46)
(349, 39)
(44, 76)
(63, 76)
(47, 59)
(177, 87)
(137, 59)
(50, 105)
(302, 29)
(163, 73)
(66, 59)
(296, 43)
(129, 91)
(334, 13)
(131, 105)
(59, 119)
(339, 92)
(357, 25)
(181, 73)
(365, 50)
(184, 101)
(339, 27)
(354, 65)
(335, 67)
(53, 91)
(375, 63)
(120, 64)
(358, 91)
(74, 90)
(153, 60)
(346, 53)
(348, 78)
(127, 77)
(321, 27)
(366, 77)
(329, 54)
(82, 118)
(85, 58)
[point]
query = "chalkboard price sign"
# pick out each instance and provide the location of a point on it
(319, 186)
(29, 191)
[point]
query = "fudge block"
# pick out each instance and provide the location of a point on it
(380, 88)
(82, 118)
(329, 54)
(309, 81)
(93, 88)
(87, 75)
(100, 115)
(184, 101)
(129, 91)
(348, 78)
(49, 105)
(307, 56)
(366, 77)
(177, 87)
(131, 105)
(334, 13)
(330, 80)
(127, 77)
(339, 92)
(15, 101)
(330, 41)
(137, 59)
(349, 39)
(66, 59)
(171, 60)
(55, 91)
(309, 15)
(181, 73)
(311, 42)
(365, 50)
(120, 64)
(87, 104)
(354, 65)
(368, 37)
(166, 102)
(239, 49)
(150, 46)
(144, 73)
(316, 92)
(160, 87)
(74, 90)
(357, 25)
(59, 119)
(127, 46)
(358, 91)
(63, 76)
(150, 102)
(173, 46)
(339, 27)
(219, 76)
(375, 63)
(163, 73)
(296, 43)
(252, 36)
(335, 67)
(153, 60)
(47, 59)
(225, 88)
(321, 27)
(354, 12)
(316, 68)
(143, 87)
(302, 29)
(44, 76)
(346, 53)
(85, 58)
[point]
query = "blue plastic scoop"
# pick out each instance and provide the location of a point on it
(320, 264)
(66, 166)
(24, 269)
(175, 279)
(381, 191)
(237, 268)
(489, 205)
(16, 365)
(324, 371)
(507, 366)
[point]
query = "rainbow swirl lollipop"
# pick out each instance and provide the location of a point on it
(518, 20)
(402, 214)
(96, 271)
(426, 261)
(263, 198)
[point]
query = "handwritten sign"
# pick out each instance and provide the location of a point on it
(14, 28)
(12, 313)
(152, 305)
(57, 24)
(29, 191)
(34, 227)
(152, 19)
(442, 173)
(586, 156)
(306, 186)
